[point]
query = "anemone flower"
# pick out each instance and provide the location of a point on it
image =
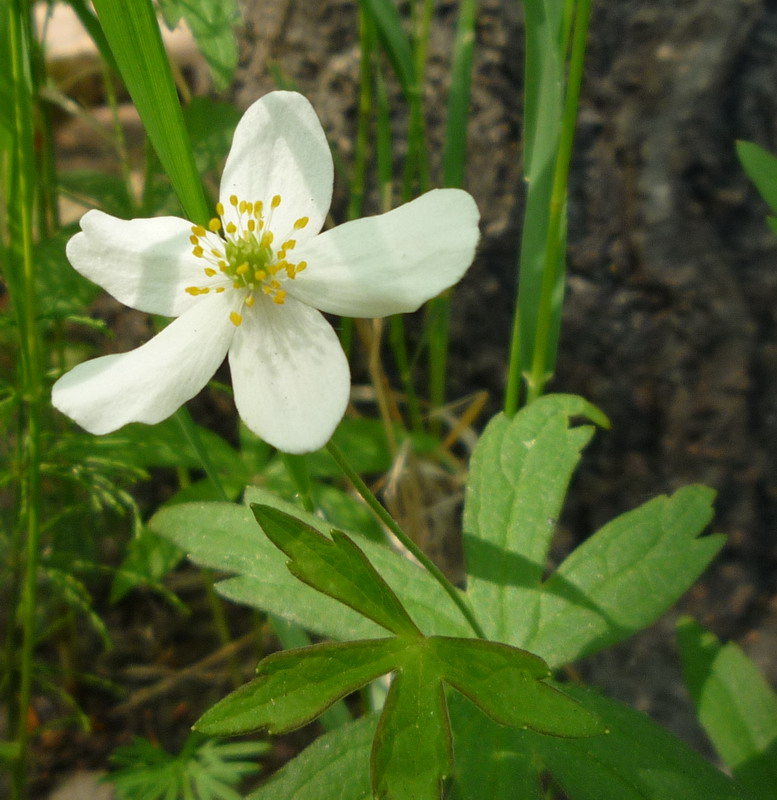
(251, 284)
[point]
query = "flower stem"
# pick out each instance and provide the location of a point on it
(389, 521)
(22, 282)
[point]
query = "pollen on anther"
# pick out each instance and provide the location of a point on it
(214, 224)
(194, 240)
(198, 230)
(260, 275)
(219, 289)
(279, 297)
(233, 200)
(210, 272)
(242, 269)
(276, 201)
(301, 266)
(217, 253)
(231, 227)
(198, 251)
(235, 318)
(290, 244)
(242, 207)
(220, 209)
(258, 207)
(300, 223)
(251, 225)
(250, 300)
(267, 238)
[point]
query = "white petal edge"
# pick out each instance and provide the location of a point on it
(290, 375)
(279, 148)
(149, 383)
(392, 263)
(144, 263)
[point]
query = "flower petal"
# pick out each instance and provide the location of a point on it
(280, 148)
(148, 384)
(143, 263)
(290, 375)
(391, 263)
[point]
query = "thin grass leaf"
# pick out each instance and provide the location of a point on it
(132, 31)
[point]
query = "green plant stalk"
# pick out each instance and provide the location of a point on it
(25, 305)
(454, 157)
(397, 338)
(297, 468)
(132, 32)
(539, 376)
(380, 512)
(359, 175)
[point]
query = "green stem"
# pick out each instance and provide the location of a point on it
(25, 305)
(538, 376)
(297, 468)
(389, 521)
(193, 437)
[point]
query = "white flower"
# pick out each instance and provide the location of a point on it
(248, 286)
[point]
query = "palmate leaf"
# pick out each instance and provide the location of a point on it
(616, 583)
(736, 706)
(411, 751)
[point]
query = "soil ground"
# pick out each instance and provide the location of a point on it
(669, 322)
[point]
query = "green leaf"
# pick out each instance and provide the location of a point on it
(636, 760)
(394, 39)
(607, 588)
(226, 537)
(518, 478)
(296, 686)
(503, 682)
(337, 568)
(339, 759)
(736, 706)
(212, 23)
(624, 576)
(133, 34)
(761, 167)
(543, 112)
(411, 753)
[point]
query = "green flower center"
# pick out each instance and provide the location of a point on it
(241, 256)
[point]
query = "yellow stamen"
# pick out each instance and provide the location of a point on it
(279, 297)
(242, 207)
(231, 227)
(198, 230)
(194, 240)
(250, 300)
(276, 201)
(258, 206)
(260, 275)
(210, 272)
(290, 245)
(235, 318)
(252, 225)
(266, 239)
(242, 269)
(198, 251)
(220, 209)
(217, 253)
(301, 266)
(219, 289)
(233, 200)
(214, 224)
(300, 223)
(192, 290)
